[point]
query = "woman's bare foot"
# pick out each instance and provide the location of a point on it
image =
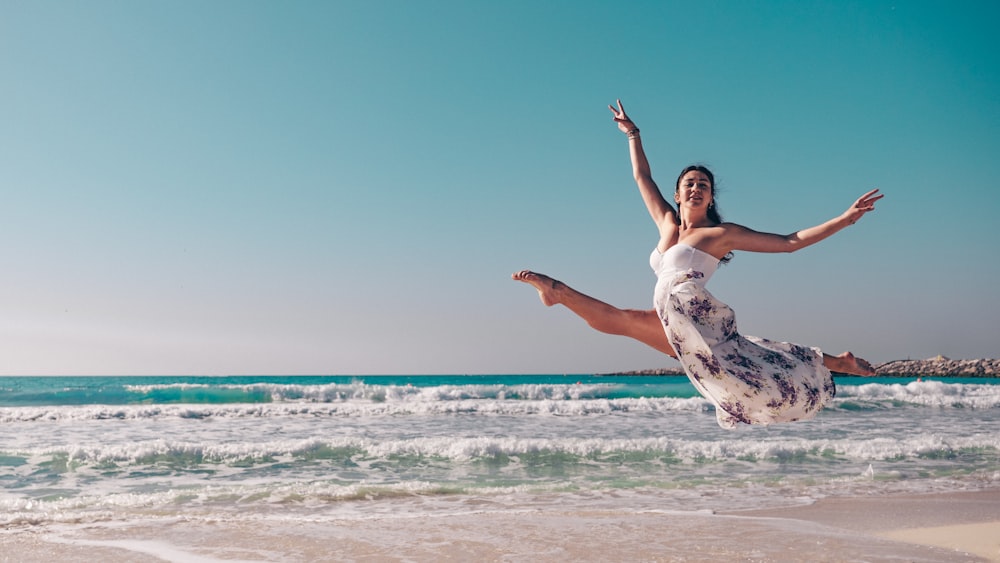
(848, 363)
(547, 287)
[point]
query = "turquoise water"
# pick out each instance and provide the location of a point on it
(36, 391)
(53, 391)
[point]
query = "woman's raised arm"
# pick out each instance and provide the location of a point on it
(741, 238)
(659, 209)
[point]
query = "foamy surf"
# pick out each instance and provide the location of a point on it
(235, 449)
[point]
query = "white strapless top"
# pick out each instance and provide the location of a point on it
(682, 258)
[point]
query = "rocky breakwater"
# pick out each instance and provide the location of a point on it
(940, 367)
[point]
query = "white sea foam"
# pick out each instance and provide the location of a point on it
(424, 404)
(445, 448)
(335, 392)
(926, 393)
(565, 400)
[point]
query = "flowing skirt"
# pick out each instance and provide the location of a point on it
(748, 379)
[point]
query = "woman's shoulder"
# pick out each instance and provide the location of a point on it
(731, 232)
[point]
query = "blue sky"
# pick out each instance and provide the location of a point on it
(345, 187)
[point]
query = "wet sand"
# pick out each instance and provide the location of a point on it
(953, 527)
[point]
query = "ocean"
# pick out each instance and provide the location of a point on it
(86, 450)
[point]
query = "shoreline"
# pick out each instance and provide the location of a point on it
(939, 527)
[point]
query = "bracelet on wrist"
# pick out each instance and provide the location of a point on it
(633, 133)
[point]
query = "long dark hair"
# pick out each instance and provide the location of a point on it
(713, 209)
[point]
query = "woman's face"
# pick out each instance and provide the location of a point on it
(694, 190)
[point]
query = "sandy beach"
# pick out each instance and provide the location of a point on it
(966, 523)
(949, 527)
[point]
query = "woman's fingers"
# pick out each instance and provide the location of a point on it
(871, 196)
(868, 200)
(619, 111)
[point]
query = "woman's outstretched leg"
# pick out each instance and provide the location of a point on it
(848, 363)
(644, 326)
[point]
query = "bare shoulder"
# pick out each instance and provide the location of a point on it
(733, 233)
(711, 239)
(721, 239)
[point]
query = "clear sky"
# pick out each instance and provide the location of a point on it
(344, 187)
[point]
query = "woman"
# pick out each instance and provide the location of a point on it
(749, 379)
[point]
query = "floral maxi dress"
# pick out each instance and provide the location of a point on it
(748, 379)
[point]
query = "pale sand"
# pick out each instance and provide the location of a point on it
(967, 522)
(978, 539)
(835, 530)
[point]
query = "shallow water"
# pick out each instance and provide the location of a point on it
(305, 448)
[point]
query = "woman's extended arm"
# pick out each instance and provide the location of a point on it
(659, 209)
(738, 237)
